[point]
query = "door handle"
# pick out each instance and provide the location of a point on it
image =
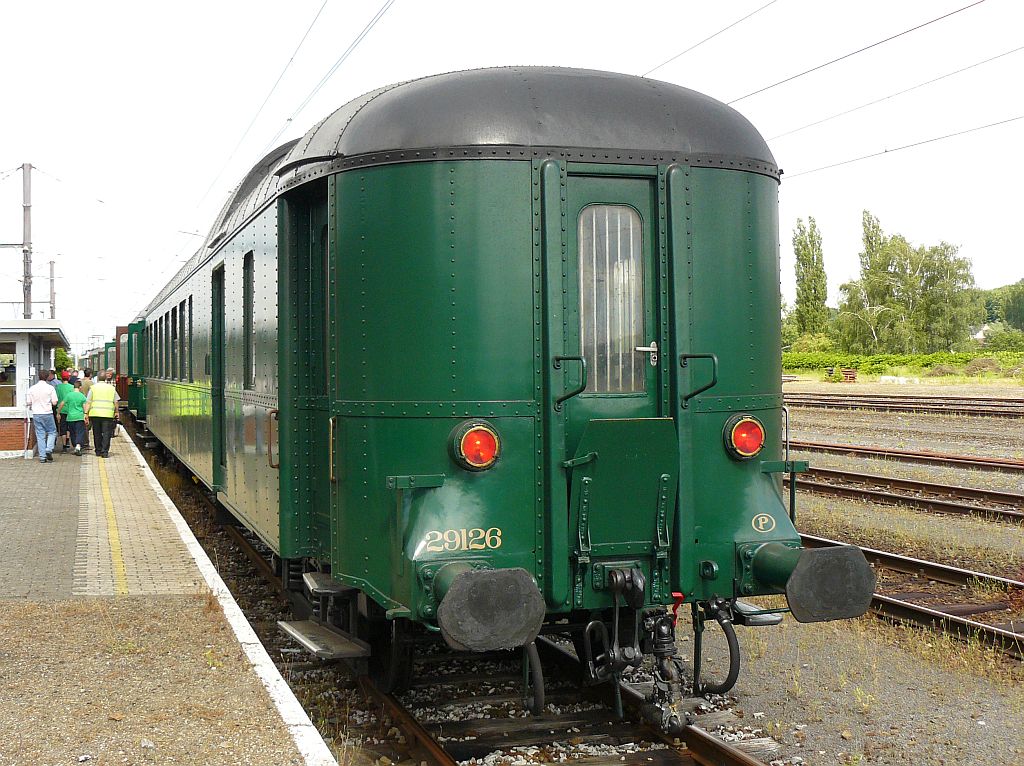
(272, 415)
(652, 350)
(583, 379)
(683, 359)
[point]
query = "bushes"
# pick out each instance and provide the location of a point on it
(981, 364)
(813, 343)
(880, 363)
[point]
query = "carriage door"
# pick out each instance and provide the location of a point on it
(622, 456)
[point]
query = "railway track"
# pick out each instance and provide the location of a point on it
(911, 493)
(476, 714)
(1009, 465)
(951, 617)
(952, 405)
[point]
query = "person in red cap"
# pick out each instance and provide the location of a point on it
(63, 389)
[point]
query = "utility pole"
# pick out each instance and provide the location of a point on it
(26, 239)
(53, 295)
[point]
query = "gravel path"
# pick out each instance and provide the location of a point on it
(131, 680)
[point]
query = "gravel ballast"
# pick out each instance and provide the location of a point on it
(851, 693)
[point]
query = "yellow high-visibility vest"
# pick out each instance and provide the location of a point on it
(103, 397)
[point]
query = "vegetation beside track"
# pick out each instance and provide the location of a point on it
(1008, 363)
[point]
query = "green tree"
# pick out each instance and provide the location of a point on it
(1013, 304)
(993, 305)
(1005, 339)
(789, 330)
(62, 360)
(908, 299)
(811, 315)
(949, 303)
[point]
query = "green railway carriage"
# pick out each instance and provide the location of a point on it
(135, 382)
(109, 355)
(499, 351)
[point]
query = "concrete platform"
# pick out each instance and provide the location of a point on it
(118, 639)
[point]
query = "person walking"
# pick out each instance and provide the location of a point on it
(86, 385)
(63, 389)
(100, 410)
(111, 377)
(72, 407)
(41, 400)
(86, 381)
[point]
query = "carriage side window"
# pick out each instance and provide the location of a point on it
(248, 328)
(612, 298)
(175, 351)
(191, 376)
(182, 343)
(167, 345)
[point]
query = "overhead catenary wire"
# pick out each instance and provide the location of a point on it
(259, 111)
(709, 37)
(897, 93)
(854, 53)
(330, 73)
(791, 176)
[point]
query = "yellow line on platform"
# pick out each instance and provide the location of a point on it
(120, 575)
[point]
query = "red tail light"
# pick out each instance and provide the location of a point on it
(744, 436)
(476, 446)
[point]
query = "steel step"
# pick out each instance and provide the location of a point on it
(324, 642)
(322, 584)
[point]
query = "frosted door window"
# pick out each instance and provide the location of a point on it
(612, 298)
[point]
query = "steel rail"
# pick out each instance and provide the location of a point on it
(917, 614)
(251, 553)
(932, 504)
(889, 404)
(909, 565)
(913, 456)
(413, 729)
(905, 611)
(1011, 499)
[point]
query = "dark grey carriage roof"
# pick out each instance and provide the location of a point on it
(533, 107)
(548, 110)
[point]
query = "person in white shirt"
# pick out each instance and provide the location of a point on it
(42, 398)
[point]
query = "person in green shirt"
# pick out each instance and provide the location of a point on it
(71, 405)
(63, 389)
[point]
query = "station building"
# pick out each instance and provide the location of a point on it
(26, 345)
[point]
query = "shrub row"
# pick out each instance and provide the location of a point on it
(879, 363)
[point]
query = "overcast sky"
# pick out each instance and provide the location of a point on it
(131, 112)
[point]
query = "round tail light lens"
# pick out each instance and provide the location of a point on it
(744, 436)
(476, 446)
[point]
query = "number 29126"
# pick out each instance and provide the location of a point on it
(463, 539)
